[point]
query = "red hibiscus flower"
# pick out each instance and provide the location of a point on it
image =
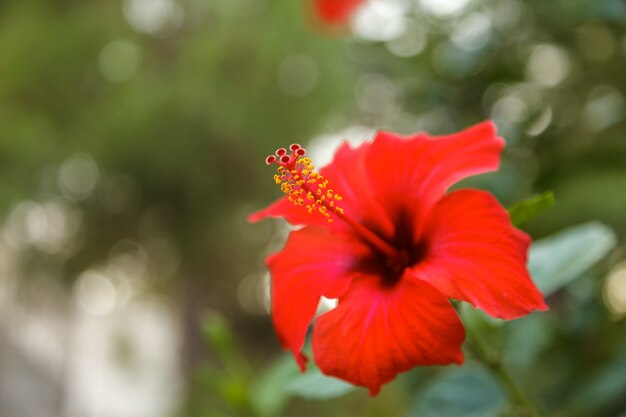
(393, 246)
(335, 12)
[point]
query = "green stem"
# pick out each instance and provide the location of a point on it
(492, 361)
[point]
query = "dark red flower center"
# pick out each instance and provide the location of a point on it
(409, 251)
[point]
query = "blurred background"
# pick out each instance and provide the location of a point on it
(132, 142)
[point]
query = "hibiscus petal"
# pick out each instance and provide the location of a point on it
(476, 255)
(314, 263)
(295, 215)
(335, 11)
(419, 169)
(376, 332)
(347, 177)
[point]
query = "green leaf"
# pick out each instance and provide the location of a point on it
(477, 318)
(525, 210)
(283, 379)
(557, 260)
(317, 386)
(217, 332)
(268, 395)
(462, 392)
(526, 339)
(604, 388)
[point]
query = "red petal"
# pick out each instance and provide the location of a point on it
(476, 255)
(313, 263)
(296, 215)
(335, 11)
(347, 176)
(376, 333)
(412, 174)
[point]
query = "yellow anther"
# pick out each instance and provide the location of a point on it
(305, 187)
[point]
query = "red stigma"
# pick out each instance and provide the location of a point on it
(282, 158)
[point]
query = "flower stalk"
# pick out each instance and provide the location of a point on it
(493, 362)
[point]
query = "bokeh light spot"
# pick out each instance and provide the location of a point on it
(251, 294)
(604, 108)
(444, 8)
(298, 75)
(323, 147)
(540, 123)
(78, 176)
(376, 93)
(472, 32)
(153, 16)
(48, 226)
(548, 65)
(25, 224)
(95, 293)
(510, 109)
(410, 43)
(615, 290)
(325, 305)
(119, 60)
(380, 20)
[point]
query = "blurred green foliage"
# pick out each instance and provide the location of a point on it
(171, 117)
(525, 210)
